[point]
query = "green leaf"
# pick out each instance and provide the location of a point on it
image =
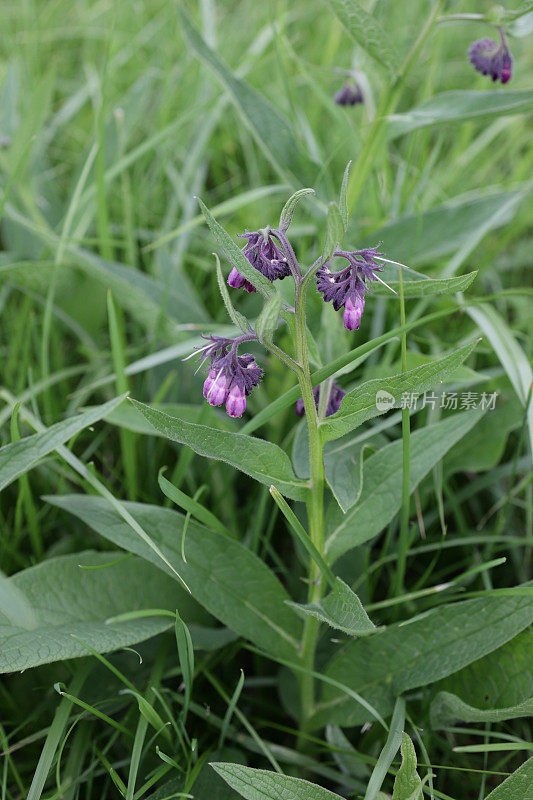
(334, 232)
(494, 688)
(127, 416)
(268, 319)
(223, 576)
(511, 355)
(425, 650)
(389, 751)
(427, 287)
(268, 126)
(235, 255)
(261, 784)
(19, 457)
(461, 105)
(263, 461)
(236, 317)
(343, 197)
(365, 30)
(193, 506)
(518, 786)
(407, 784)
(67, 601)
(340, 609)
(381, 496)
(288, 209)
(378, 396)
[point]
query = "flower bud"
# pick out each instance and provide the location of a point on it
(236, 401)
(217, 392)
(238, 281)
(353, 311)
(349, 95)
(300, 410)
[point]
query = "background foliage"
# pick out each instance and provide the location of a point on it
(113, 118)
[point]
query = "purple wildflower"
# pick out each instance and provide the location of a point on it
(491, 58)
(349, 95)
(264, 255)
(231, 377)
(347, 287)
(334, 403)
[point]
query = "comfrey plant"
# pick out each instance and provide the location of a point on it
(492, 58)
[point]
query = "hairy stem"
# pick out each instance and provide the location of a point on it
(315, 513)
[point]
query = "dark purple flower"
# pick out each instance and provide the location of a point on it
(334, 403)
(491, 58)
(264, 255)
(231, 377)
(347, 288)
(349, 95)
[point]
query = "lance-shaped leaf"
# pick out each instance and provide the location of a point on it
(261, 784)
(365, 30)
(340, 609)
(236, 317)
(227, 579)
(73, 596)
(268, 319)
(19, 457)
(343, 197)
(460, 105)
(517, 786)
(378, 396)
(288, 209)
(263, 461)
(425, 287)
(407, 784)
(334, 232)
(268, 126)
(381, 495)
(425, 650)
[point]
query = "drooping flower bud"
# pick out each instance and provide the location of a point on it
(349, 95)
(491, 58)
(236, 400)
(217, 391)
(238, 281)
(347, 288)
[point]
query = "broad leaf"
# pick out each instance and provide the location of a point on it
(407, 784)
(126, 416)
(226, 578)
(381, 496)
(264, 461)
(423, 288)
(268, 126)
(260, 784)
(424, 650)
(496, 687)
(19, 457)
(457, 106)
(340, 609)
(365, 30)
(73, 596)
(380, 395)
(518, 786)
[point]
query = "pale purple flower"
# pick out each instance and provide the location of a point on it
(264, 255)
(335, 398)
(231, 377)
(348, 286)
(492, 58)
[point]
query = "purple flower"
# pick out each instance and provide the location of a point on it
(491, 58)
(349, 95)
(264, 255)
(347, 288)
(231, 377)
(334, 403)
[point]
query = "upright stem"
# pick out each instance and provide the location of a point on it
(315, 511)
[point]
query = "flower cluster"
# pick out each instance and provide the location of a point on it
(349, 95)
(347, 288)
(231, 377)
(264, 255)
(334, 402)
(491, 58)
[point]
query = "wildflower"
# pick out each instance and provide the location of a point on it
(231, 377)
(349, 95)
(264, 255)
(491, 58)
(347, 287)
(334, 403)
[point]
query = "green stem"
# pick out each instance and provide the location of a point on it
(315, 513)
